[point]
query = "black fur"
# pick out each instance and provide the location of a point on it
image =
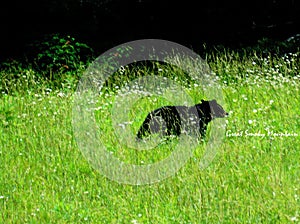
(176, 119)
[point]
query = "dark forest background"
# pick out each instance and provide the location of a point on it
(103, 24)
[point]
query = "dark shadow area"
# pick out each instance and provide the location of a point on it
(103, 24)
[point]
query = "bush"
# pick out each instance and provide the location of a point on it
(59, 53)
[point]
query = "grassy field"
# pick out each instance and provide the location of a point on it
(254, 178)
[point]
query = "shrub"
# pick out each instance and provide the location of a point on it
(59, 53)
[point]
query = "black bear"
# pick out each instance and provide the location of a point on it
(174, 120)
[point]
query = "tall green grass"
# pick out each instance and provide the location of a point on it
(253, 179)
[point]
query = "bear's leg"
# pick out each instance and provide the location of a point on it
(202, 130)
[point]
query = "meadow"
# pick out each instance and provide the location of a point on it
(254, 178)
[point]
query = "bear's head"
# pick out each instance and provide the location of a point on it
(216, 110)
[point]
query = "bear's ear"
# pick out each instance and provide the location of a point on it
(202, 101)
(214, 101)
